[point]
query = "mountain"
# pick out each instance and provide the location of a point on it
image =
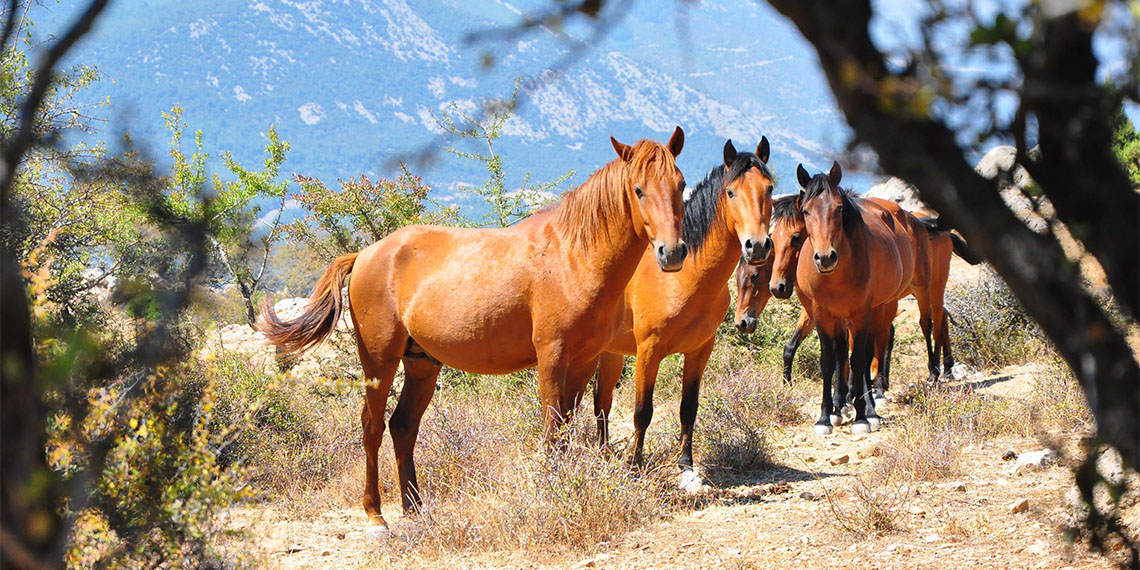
(351, 83)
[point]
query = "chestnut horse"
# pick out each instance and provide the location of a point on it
(862, 262)
(546, 292)
(727, 214)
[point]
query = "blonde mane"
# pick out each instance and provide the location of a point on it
(585, 214)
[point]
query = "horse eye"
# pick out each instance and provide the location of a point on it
(637, 190)
(731, 194)
(795, 238)
(805, 213)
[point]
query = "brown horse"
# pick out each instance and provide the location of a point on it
(727, 214)
(752, 293)
(929, 286)
(862, 261)
(546, 292)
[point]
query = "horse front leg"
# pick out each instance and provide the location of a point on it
(827, 366)
(645, 378)
(551, 385)
(803, 328)
(609, 373)
(695, 363)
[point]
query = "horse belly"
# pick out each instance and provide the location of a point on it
(483, 338)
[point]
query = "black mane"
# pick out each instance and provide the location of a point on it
(784, 208)
(852, 214)
(703, 206)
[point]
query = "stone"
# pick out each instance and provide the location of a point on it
(691, 482)
(1019, 506)
(865, 453)
(839, 459)
(1009, 456)
(376, 532)
(931, 538)
(808, 496)
(916, 510)
(1035, 460)
(587, 563)
(1038, 547)
(801, 437)
(899, 191)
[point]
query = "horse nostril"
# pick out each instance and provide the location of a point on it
(661, 251)
(748, 245)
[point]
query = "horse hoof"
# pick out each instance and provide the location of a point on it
(376, 532)
(875, 423)
(821, 429)
(880, 401)
(860, 427)
(836, 420)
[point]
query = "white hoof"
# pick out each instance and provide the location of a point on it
(875, 423)
(836, 419)
(880, 401)
(860, 427)
(822, 430)
(376, 532)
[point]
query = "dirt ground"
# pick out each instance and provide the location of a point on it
(988, 515)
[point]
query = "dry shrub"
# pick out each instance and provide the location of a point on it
(989, 328)
(489, 484)
(739, 408)
(304, 433)
(1057, 400)
(873, 506)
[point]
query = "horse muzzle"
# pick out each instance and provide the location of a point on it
(781, 290)
(671, 259)
(826, 263)
(757, 252)
(746, 324)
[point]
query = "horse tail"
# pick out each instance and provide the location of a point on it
(963, 250)
(935, 227)
(321, 315)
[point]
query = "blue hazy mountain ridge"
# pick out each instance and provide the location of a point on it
(350, 84)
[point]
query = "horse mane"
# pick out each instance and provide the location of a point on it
(784, 208)
(586, 213)
(852, 213)
(702, 209)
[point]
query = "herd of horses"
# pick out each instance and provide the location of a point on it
(623, 265)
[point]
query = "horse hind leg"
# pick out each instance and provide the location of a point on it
(379, 375)
(609, 373)
(420, 374)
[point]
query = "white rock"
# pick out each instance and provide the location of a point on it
(376, 532)
(1038, 547)
(898, 191)
(289, 309)
(1035, 459)
(691, 482)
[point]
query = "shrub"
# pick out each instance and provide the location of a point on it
(989, 328)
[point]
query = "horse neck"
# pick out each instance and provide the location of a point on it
(608, 249)
(720, 253)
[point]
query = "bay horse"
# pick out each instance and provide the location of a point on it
(862, 262)
(752, 293)
(545, 292)
(940, 243)
(726, 218)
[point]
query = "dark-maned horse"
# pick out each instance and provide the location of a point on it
(861, 262)
(726, 216)
(546, 292)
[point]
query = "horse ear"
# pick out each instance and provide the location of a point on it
(762, 150)
(729, 153)
(835, 175)
(803, 176)
(677, 141)
(624, 151)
